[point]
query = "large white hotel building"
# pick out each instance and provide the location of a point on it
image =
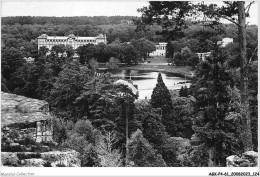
(72, 40)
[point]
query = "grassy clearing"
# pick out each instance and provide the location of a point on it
(158, 64)
(157, 59)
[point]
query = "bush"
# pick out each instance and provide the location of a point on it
(93, 64)
(88, 154)
(84, 128)
(193, 60)
(169, 154)
(199, 156)
(83, 139)
(178, 59)
(60, 132)
(113, 63)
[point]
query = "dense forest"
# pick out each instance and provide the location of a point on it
(80, 20)
(91, 111)
(17, 32)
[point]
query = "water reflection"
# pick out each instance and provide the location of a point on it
(147, 80)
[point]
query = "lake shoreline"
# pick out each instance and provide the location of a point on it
(183, 72)
(146, 78)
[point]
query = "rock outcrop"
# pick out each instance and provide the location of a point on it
(29, 117)
(68, 158)
(248, 159)
(26, 134)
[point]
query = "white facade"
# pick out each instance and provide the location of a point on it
(29, 59)
(225, 41)
(202, 56)
(160, 50)
(72, 40)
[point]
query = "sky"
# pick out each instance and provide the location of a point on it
(90, 8)
(66, 8)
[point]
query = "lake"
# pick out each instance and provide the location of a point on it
(146, 80)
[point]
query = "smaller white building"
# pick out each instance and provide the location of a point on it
(29, 59)
(225, 41)
(202, 56)
(160, 50)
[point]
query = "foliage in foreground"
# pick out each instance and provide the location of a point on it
(142, 154)
(217, 124)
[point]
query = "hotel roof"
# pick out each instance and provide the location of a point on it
(64, 37)
(45, 36)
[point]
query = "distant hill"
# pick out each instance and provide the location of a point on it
(77, 20)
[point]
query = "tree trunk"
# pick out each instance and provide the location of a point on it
(211, 157)
(246, 134)
(126, 130)
(145, 56)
